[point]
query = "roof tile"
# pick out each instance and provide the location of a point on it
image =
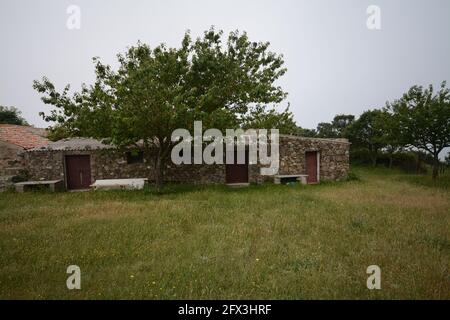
(24, 136)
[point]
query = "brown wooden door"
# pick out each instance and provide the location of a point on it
(311, 167)
(78, 170)
(237, 173)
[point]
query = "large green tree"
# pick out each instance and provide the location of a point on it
(368, 133)
(305, 132)
(325, 130)
(423, 119)
(155, 91)
(391, 138)
(11, 115)
(261, 117)
(336, 128)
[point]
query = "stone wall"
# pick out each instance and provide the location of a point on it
(12, 163)
(105, 164)
(10, 155)
(196, 173)
(112, 164)
(45, 165)
(333, 156)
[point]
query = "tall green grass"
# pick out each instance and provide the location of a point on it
(262, 242)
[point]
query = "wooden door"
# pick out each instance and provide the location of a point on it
(78, 172)
(237, 173)
(312, 167)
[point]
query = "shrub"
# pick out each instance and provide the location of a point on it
(21, 177)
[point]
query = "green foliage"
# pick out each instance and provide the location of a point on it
(155, 91)
(325, 130)
(341, 123)
(58, 132)
(423, 120)
(367, 133)
(11, 115)
(427, 181)
(261, 117)
(337, 128)
(303, 132)
(23, 175)
(407, 161)
(353, 176)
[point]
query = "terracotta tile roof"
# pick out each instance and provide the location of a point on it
(23, 136)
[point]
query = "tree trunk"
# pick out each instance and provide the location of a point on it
(390, 161)
(373, 155)
(436, 166)
(159, 173)
(374, 159)
(418, 163)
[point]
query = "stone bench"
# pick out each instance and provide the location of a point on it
(302, 178)
(53, 185)
(120, 184)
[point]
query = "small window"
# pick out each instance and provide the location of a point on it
(135, 157)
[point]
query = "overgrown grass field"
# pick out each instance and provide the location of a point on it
(264, 242)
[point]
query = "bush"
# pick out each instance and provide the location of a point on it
(352, 176)
(360, 156)
(405, 161)
(21, 177)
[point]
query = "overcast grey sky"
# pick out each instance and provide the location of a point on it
(335, 63)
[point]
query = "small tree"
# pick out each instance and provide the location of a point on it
(156, 91)
(326, 130)
(11, 115)
(261, 117)
(367, 132)
(337, 128)
(391, 138)
(341, 123)
(304, 132)
(423, 120)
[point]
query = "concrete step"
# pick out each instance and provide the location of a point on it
(238, 185)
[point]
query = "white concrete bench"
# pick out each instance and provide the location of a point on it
(302, 178)
(121, 184)
(53, 185)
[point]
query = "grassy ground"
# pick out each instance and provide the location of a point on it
(276, 242)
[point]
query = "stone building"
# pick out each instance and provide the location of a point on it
(14, 141)
(80, 162)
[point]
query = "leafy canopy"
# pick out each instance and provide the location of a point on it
(423, 118)
(260, 117)
(11, 115)
(155, 91)
(337, 128)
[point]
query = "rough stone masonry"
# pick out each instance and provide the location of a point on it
(47, 163)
